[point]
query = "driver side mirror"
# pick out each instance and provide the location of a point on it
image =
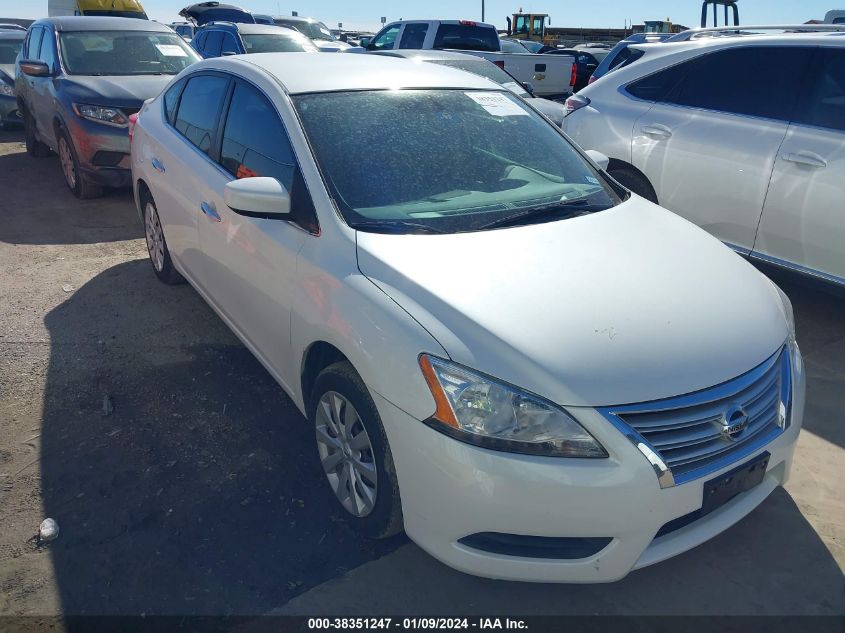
(365, 43)
(35, 68)
(598, 158)
(529, 87)
(258, 197)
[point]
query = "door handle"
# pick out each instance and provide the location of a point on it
(210, 211)
(157, 165)
(656, 131)
(807, 159)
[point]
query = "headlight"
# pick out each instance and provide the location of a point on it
(481, 410)
(6, 90)
(788, 312)
(101, 114)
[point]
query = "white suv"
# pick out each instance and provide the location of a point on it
(537, 374)
(743, 135)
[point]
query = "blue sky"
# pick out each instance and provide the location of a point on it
(589, 13)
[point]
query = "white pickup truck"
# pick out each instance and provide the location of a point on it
(549, 75)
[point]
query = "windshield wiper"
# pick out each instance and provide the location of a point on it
(562, 208)
(396, 226)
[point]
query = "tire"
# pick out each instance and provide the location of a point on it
(634, 181)
(341, 448)
(79, 186)
(34, 147)
(156, 244)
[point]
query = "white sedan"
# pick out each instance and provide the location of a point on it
(537, 374)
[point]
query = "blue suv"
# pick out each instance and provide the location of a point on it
(216, 39)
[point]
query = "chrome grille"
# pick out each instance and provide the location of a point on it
(691, 434)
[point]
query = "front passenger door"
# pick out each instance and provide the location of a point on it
(249, 262)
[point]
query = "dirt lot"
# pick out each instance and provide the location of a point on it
(184, 481)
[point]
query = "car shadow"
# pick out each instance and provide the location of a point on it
(38, 208)
(183, 479)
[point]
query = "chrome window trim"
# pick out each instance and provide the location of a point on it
(666, 478)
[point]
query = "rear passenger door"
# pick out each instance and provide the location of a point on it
(709, 143)
(413, 35)
(803, 222)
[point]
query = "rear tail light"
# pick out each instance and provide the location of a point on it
(593, 78)
(133, 119)
(575, 102)
(573, 77)
(466, 22)
(500, 63)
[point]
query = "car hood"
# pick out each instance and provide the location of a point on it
(626, 305)
(327, 46)
(119, 91)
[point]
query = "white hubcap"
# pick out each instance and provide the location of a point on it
(155, 237)
(346, 454)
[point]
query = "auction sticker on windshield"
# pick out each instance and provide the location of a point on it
(171, 50)
(496, 103)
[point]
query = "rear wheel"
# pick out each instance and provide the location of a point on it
(34, 147)
(157, 245)
(354, 452)
(633, 180)
(77, 183)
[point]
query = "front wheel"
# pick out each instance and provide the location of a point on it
(354, 452)
(77, 183)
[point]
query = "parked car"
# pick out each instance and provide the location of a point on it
(205, 12)
(585, 62)
(229, 38)
(316, 30)
(96, 8)
(622, 53)
(485, 68)
(716, 130)
(261, 18)
(835, 17)
(550, 76)
(79, 80)
(10, 46)
(186, 30)
(497, 347)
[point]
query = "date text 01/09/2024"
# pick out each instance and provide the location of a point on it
(415, 623)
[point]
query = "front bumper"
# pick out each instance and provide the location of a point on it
(451, 490)
(102, 151)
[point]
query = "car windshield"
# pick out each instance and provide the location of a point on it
(125, 53)
(314, 30)
(485, 69)
(9, 49)
(281, 43)
(445, 160)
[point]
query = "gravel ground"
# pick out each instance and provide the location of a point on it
(184, 481)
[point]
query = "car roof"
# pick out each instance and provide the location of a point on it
(267, 28)
(305, 72)
(428, 55)
(293, 18)
(660, 49)
(97, 23)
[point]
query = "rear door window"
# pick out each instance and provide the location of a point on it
(199, 110)
(230, 45)
(468, 37)
(823, 103)
(753, 81)
(414, 35)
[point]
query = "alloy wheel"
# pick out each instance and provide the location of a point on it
(154, 235)
(346, 454)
